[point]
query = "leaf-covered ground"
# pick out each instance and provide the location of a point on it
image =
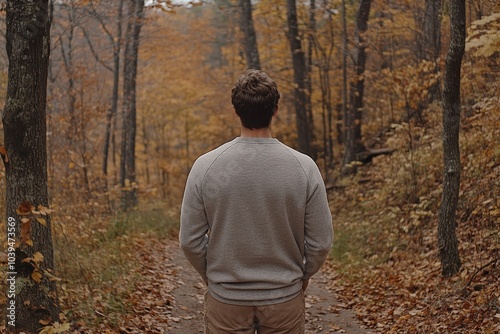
(168, 298)
(386, 254)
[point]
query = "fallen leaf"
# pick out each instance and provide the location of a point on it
(44, 210)
(38, 257)
(42, 221)
(36, 276)
(55, 328)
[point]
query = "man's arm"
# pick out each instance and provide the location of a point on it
(318, 225)
(193, 236)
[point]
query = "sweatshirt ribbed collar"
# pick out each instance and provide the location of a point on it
(256, 140)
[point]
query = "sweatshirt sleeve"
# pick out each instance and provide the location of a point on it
(318, 233)
(194, 226)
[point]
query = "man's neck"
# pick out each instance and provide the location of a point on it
(256, 133)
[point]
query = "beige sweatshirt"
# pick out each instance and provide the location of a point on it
(255, 221)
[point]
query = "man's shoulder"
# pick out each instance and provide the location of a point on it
(206, 159)
(303, 159)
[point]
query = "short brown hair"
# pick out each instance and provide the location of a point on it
(255, 98)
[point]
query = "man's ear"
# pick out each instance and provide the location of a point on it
(276, 111)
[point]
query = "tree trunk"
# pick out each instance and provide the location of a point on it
(447, 239)
(67, 55)
(429, 40)
(302, 99)
(357, 86)
(347, 116)
(429, 44)
(114, 99)
(31, 295)
(309, 110)
(127, 168)
(324, 59)
(249, 37)
(432, 28)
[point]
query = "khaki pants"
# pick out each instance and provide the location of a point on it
(283, 318)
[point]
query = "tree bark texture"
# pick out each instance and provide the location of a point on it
(24, 120)
(447, 239)
(127, 164)
(302, 99)
(249, 36)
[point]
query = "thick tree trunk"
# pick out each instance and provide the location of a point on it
(249, 37)
(127, 168)
(447, 239)
(114, 99)
(302, 99)
(31, 295)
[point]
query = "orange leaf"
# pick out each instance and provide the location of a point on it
(36, 276)
(38, 257)
(42, 221)
(44, 210)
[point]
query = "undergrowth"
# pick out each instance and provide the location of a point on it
(385, 249)
(99, 266)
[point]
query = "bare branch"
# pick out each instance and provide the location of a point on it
(94, 53)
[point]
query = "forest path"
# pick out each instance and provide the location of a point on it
(169, 298)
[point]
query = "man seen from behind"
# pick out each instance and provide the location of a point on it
(255, 221)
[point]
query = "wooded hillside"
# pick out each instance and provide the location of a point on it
(371, 96)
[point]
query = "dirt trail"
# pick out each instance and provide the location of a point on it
(324, 314)
(181, 310)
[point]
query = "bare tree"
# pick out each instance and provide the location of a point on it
(447, 239)
(111, 115)
(127, 163)
(354, 114)
(249, 36)
(429, 41)
(347, 118)
(324, 56)
(303, 111)
(67, 48)
(31, 293)
(429, 44)
(358, 83)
